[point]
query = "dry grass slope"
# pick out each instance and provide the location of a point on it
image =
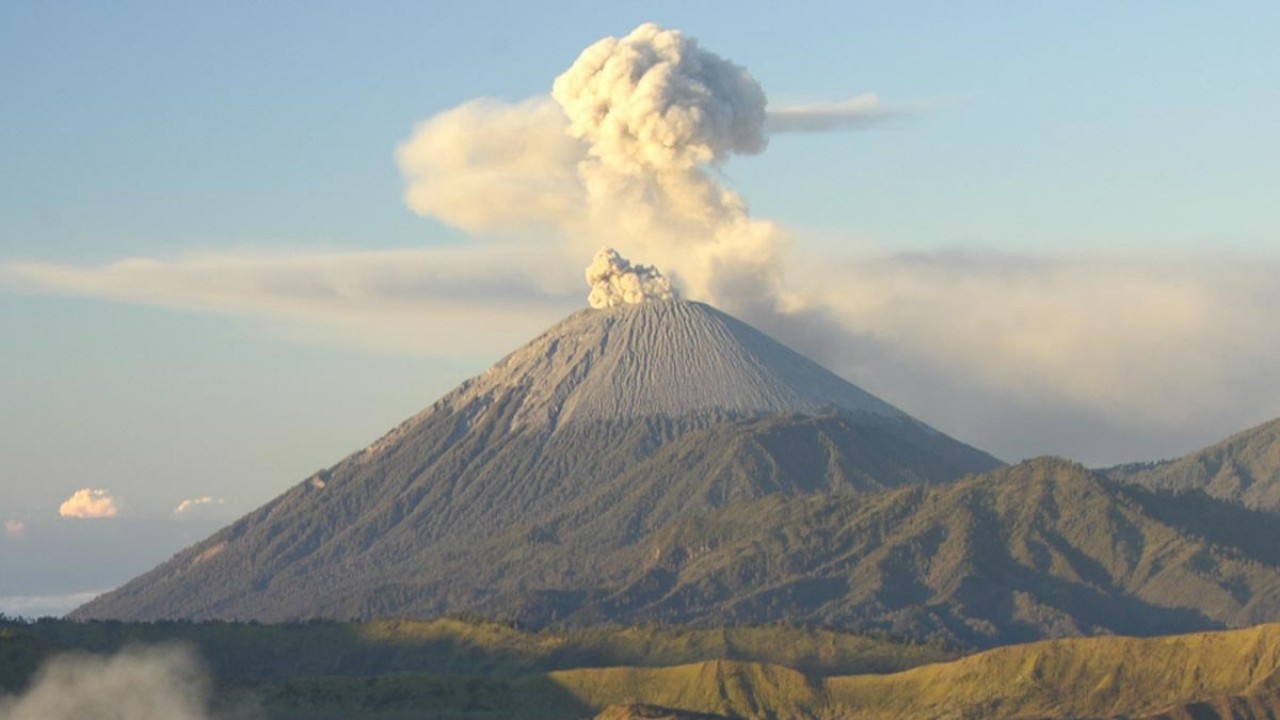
(1079, 678)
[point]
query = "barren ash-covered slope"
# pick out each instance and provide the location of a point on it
(511, 493)
(666, 358)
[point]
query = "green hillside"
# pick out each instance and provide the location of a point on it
(1042, 549)
(1233, 674)
(21, 654)
(460, 647)
(683, 675)
(1244, 468)
(1039, 550)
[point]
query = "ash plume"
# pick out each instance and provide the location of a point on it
(655, 101)
(625, 147)
(614, 281)
(655, 112)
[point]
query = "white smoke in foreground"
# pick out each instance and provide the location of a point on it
(156, 683)
(615, 281)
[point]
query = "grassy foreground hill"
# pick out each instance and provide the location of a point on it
(461, 647)
(686, 675)
(1234, 674)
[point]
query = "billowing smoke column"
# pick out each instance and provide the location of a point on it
(655, 101)
(655, 110)
(615, 281)
(622, 149)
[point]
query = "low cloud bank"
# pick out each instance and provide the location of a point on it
(1100, 358)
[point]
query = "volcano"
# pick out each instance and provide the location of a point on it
(516, 494)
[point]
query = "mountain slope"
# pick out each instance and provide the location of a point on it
(1244, 468)
(624, 419)
(1041, 549)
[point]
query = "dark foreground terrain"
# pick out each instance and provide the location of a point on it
(470, 669)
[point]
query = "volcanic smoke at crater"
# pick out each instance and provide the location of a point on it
(615, 281)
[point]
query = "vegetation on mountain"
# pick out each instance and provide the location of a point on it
(1042, 549)
(1232, 674)
(253, 651)
(1244, 469)
(1039, 550)
(21, 654)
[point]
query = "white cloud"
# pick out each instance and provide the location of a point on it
(15, 529)
(191, 503)
(89, 503)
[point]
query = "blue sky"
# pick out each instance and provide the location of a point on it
(1047, 159)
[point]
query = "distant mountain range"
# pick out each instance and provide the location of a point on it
(666, 462)
(1041, 549)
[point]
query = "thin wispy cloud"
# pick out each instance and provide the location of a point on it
(398, 300)
(857, 113)
(191, 504)
(14, 529)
